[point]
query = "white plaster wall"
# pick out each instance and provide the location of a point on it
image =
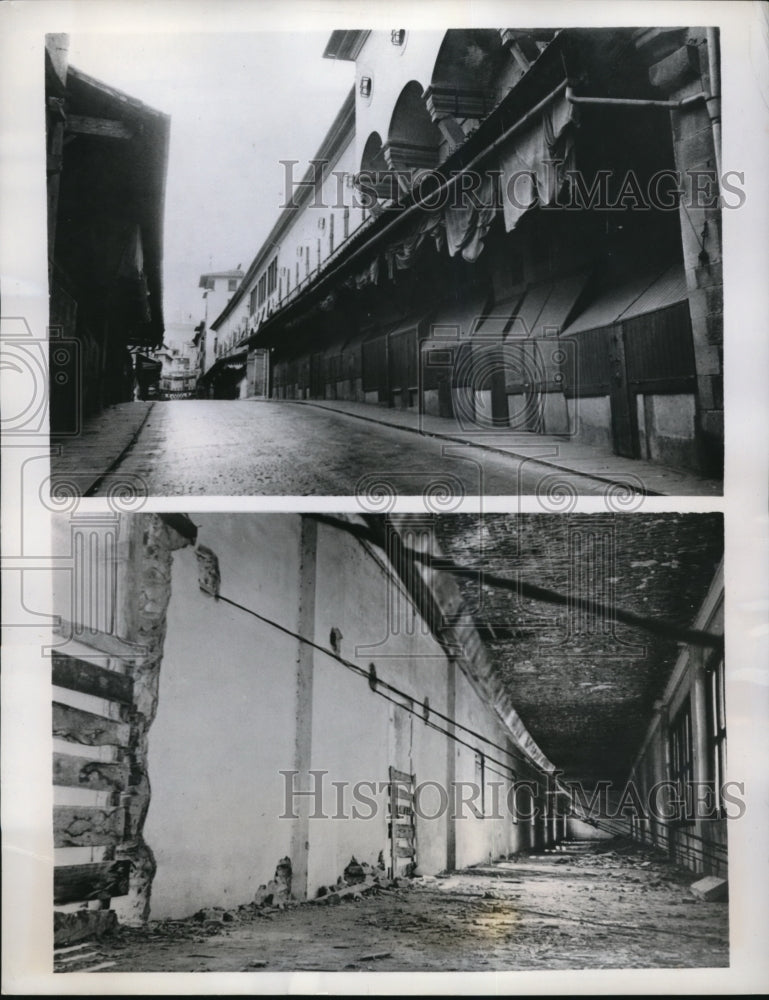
(391, 68)
(225, 722)
(590, 419)
(480, 839)
(305, 231)
(670, 428)
(354, 730)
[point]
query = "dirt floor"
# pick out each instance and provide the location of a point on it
(581, 907)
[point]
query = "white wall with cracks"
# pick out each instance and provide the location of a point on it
(241, 701)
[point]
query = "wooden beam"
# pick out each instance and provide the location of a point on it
(84, 772)
(87, 826)
(76, 883)
(77, 726)
(108, 128)
(404, 830)
(400, 851)
(102, 642)
(79, 675)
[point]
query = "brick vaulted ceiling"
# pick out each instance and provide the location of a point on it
(583, 687)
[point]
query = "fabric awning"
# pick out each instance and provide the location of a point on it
(459, 319)
(643, 293)
(145, 364)
(546, 308)
(499, 317)
(533, 164)
(667, 290)
(540, 311)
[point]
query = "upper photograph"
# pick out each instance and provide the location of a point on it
(438, 264)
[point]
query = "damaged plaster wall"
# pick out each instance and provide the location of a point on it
(358, 735)
(226, 719)
(111, 594)
(144, 586)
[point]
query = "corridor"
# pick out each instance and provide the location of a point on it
(584, 905)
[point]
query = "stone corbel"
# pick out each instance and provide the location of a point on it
(452, 102)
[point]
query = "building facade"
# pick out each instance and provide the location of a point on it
(180, 360)
(219, 287)
(685, 749)
(515, 229)
(106, 170)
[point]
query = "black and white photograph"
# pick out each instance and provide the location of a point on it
(494, 251)
(430, 743)
(385, 497)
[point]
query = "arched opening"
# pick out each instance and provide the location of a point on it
(468, 59)
(375, 175)
(413, 140)
(462, 87)
(373, 157)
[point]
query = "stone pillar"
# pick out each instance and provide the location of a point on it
(144, 590)
(681, 71)
(451, 765)
(700, 769)
(300, 835)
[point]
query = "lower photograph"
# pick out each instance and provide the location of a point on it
(389, 742)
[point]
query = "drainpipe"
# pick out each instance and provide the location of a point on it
(626, 102)
(714, 101)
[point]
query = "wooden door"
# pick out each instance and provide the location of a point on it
(624, 419)
(401, 826)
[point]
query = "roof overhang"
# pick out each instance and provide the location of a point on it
(115, 175)
(345, 45)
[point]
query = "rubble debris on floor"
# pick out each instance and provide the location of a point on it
(606, 905)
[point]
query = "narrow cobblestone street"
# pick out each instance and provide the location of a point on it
(235, 448)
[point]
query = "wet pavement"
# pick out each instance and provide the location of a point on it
(250, 447)
(606, 906)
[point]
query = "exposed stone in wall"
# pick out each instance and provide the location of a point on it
(147, 591)
(682, 74)
(278, 889)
